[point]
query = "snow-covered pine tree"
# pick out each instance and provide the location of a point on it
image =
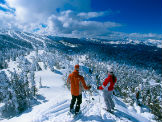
(35, 65)
(8, 93)
(32, 82)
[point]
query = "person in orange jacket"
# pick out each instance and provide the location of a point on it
(76, 81)
(108, 90)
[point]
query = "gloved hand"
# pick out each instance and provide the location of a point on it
(98, 87)
(89, 87)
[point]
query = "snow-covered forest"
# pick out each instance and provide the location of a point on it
(137, 67)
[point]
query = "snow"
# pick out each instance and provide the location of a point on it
(33, 54)
(152, 82)
(150, 42)
(10, 33)
(21, 47)
(21, 37)
(156, 42)
(40, 39)
(68, 44)
(129, 41)
(54, 100)
(36, 38)
(12, 65)
(30, 56)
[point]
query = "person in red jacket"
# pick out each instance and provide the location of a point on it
(108, 87)
(76, 81)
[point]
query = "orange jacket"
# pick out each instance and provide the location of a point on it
(76, 82)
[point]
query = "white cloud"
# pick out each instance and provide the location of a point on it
(62, 17)
(68, 22)
(113, 35)
(36, 10)
(145, 36)
(90, 14)
(4, 6)
(87, 15)
(6, 19)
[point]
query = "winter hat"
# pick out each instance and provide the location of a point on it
(110, 70)
(77, 66)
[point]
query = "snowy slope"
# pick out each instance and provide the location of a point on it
(54, 98)
(54, 103)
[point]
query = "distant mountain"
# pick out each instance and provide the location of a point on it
(144, 53)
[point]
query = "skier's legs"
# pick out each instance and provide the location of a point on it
(72, 102)
(106, 99)
(112, 105)
(79, 101)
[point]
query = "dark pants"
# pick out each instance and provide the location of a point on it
(79, 101)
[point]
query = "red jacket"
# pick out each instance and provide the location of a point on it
(105, 83)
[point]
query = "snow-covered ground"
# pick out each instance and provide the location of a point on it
(54, 100)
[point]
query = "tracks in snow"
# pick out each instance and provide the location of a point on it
(91, 111)
(52, 112)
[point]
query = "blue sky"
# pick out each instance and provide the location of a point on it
(2, 1)
(85, 18)
(142, 16)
